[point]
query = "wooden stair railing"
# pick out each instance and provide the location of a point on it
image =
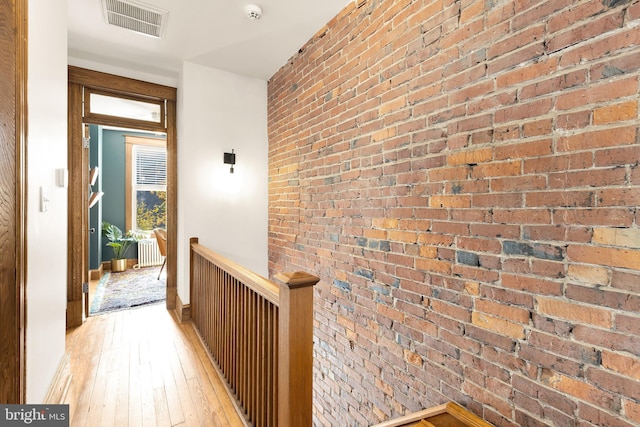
(259, 335)
(448, 415)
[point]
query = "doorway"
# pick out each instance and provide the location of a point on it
(87, 91)
(127, 213)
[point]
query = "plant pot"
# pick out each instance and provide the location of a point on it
(118, 265)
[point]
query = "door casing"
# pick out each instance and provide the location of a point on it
(79, 80)
(13, 186)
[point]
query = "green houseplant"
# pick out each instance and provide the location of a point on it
(120, 243)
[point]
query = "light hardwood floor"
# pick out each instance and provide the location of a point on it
(142, 368)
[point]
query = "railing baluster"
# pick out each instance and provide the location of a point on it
(259, 334)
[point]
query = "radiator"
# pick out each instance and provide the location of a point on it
(148, 253)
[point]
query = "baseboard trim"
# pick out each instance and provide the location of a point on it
(97, 274)
(183, 311)
(61, 382)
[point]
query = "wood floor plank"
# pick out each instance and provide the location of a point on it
(201, 403)
(122, 398)
(162, 409)
(108, 417)
(186, 359)
(188, 409)
(146, 396)
(173, 399)
(135, 399)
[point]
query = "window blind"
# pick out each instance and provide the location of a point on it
(151, 167)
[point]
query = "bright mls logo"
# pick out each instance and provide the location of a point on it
(34, 415)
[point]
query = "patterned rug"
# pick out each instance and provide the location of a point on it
(129, 289)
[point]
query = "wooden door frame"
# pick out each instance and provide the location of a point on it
(80, 78)
(13, 149)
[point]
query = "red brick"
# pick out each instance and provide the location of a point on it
(622, 364)
(589, 275)
(558, 163)
(608, 91)
(503, 200)
(560, 199)
(621, 237)
(533, 285)
(579, 389)
(511, 60)
(553, 84)
(616, 113)
(537, 128)
(574, 312)
(515, 314)
(612, 257)
(620, 385)
(529, 35)
(551, 269)
(522, 216)
(598, 139)
(593, 28)
(534, 15)
(632, 410)
(570, 16)
(625, 280)
(617, 156)
(495, 230)
(574, 120)
(518, 183)
(621, 65)
(523, 111)
(599, 217)
(588, 178)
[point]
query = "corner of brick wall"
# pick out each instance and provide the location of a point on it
(463, 176)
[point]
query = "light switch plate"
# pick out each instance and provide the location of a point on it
(44, 199)
(62, 178)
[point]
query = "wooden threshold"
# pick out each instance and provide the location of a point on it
(143, 367)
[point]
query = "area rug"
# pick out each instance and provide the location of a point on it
(128, 289)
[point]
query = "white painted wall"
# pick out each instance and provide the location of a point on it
(46, 288)
(161, 79)
(219, 111)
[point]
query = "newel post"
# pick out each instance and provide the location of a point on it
(295, 349)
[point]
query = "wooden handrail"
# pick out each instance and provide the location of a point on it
(256, 282)
(259, 335)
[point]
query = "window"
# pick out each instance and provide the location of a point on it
(146, 184)
(102, 107)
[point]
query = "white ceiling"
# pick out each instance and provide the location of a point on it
(214, 33)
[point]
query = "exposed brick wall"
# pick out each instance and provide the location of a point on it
(463, 176)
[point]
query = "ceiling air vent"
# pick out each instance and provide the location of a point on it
(138, 17)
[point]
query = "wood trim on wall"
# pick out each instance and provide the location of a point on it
(118, 84)
(134, 88)
(13, 182)
(172, 204)
(77, 192)
(183, 311)
(129, 142)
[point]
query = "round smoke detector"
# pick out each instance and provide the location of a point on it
(253, 12)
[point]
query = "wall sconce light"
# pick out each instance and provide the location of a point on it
(230, 159)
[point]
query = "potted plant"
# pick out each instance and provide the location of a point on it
(120, 243)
